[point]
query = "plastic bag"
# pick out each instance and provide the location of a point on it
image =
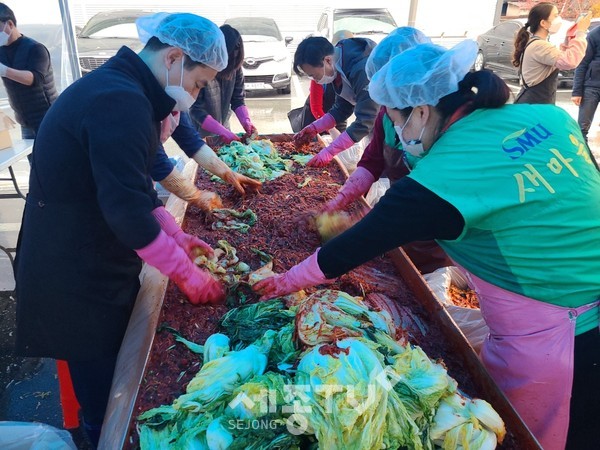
(34, 436)
(469, 320)
(296, 118)
(351, 156)
(377, 190)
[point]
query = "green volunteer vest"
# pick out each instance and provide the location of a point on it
(523, 179)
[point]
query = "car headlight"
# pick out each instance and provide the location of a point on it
(282, 55)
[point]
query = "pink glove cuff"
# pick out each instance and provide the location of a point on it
(166, 221)
(324, 123)
(164, 254)
(307, 273)
(358, 184)
(243, 116)
(339, 144)
(213, 126)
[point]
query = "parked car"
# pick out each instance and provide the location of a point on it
(267, 61)
(497, 45)
(104, 34)
(372, 23)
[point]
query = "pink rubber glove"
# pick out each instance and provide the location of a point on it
(357, 184)
(168, 125)
(190, 244)
(198, 285)
(214, 127)
(307, 133)
(324, 157)
(244, 117)
(302, 275)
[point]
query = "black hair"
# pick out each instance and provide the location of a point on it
(312, 51)
(154, 45)
(235, 52)
(7, 14)
(539, 12)
(481, 89)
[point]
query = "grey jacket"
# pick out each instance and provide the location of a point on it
(353, 54)
(218, 99)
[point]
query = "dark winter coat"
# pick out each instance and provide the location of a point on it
(587, 73)
(89, 206)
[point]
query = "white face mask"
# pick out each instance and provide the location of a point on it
(328, 79)
(555, 25)
(179, 94)
(413, 147)
(4, 36)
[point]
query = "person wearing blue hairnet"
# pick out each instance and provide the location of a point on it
(92, 215)
(182, 126)
(383, 157)
(512, 194)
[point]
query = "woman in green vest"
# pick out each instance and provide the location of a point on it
(384, 157)
(512, 193)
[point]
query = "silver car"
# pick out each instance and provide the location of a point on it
(104, 34)
(267, 60)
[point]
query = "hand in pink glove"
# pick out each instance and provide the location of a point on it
(324, 157)
(310, 131)
(168, 257)
(305, 135)
(243, 116)
(357, 184)
(190, 244)
(303, 275)
(212, 126)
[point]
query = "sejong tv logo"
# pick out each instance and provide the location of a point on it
(520, 142)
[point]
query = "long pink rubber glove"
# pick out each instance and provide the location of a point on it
(302, 275)
(214, 127)
(307, 133)
(243, 116)
(186, 241)
(168, 257)
(357, 184)
(324, 157)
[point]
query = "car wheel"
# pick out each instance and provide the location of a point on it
(479, 61)
(286, 90)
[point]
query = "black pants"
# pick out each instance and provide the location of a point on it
(584, 420)
(91, 382)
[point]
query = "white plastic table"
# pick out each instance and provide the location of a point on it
(9, 156)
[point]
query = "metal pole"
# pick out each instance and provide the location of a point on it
(412, 13)
(498, 12)
(70, 38)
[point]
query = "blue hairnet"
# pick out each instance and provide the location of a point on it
(198, 37)
(396, 42)
(422, 75)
